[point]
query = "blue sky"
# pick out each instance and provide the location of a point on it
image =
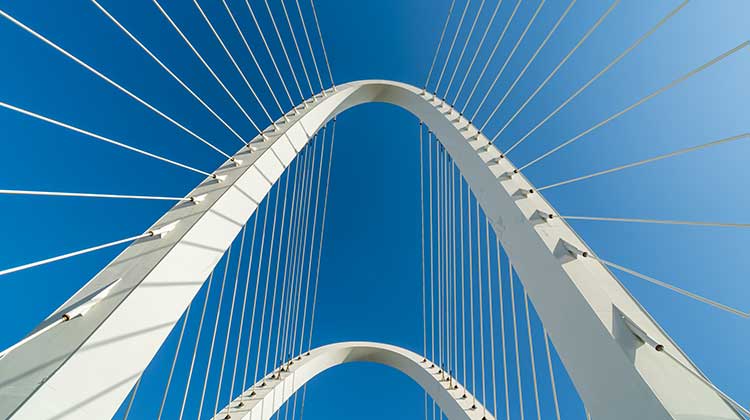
(370, 286)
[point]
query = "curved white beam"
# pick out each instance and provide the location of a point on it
(86, 366)
(265, 398)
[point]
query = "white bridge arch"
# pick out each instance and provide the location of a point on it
(616, 354)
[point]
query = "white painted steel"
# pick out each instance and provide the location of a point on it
(84, 368)
(260, 402)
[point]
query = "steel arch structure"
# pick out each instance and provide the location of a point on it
(615, 353)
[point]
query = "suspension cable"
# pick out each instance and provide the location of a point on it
(649, 160)
(502, 326)
(322, 231)
(244, 306)
(463, 294)
(557, 68)
(453, 43)
(655, 221)
(323, 46)
(270, 54)
(132, 397)
(234, 62)
(174, 363)
(471, 296)
(491, 56)
(676, 289)
(432, 254)
(283, 49)
(515, 337)
(490, 308)
(481, 305)
(195, 347)
(477, 50)
(167, 69)
(424, 281)
(150, 233)
(639, 102)
(296, 46)
(93, 195)
(440, 43)
(309, 45)
(551, 375)
(601, 72)
(252, 56)
(531, 355)
(463, 49)
(454, 265)
(205, 64)
(216, 327)
(243, 234)
(111, 82)
(528, 63)
(507, 60)
(99, 137)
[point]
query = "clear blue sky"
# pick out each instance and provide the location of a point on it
(370, 277)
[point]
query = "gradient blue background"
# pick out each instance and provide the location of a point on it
(369, 285)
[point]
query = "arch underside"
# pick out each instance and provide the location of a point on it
(87, 366)
(264, 399)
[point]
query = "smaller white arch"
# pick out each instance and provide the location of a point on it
(265, 398)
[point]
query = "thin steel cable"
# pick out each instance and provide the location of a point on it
(453, 43)
(174, 363)
(531, 356)
(328, 64)
(263, 310)
(99, 137)
(676, 289)
(424, 280)
(276, 279)
(244, 302)
(601, 72)
(463, 49)
(557, 68)
(492, 55)
(206, 65)
(655, 221)
(229, 321)
(649, 160)
(481, 306)
(234, 62)
(216, 327)
(641, 101)
(455, 272)
(515, 337)
(111, 82)
(270, 54)
(471, 296)
(167, 69)
(309, 45)
(283, 49)
(463, 285)
(439, 250)
(312, 240)
(92, 195)
(490, 310)
(229, 324)
(296, 46)
(551, 375)
(132, 397)
(440, 44)
(507, 60)
(74, 253)
(195, 347)
(528, 63)
(477, 50)
(502, 326)
(252, 55)
(432, 248)
(322, 231)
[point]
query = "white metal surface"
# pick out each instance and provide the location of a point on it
(260, 402)
(84, 368)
